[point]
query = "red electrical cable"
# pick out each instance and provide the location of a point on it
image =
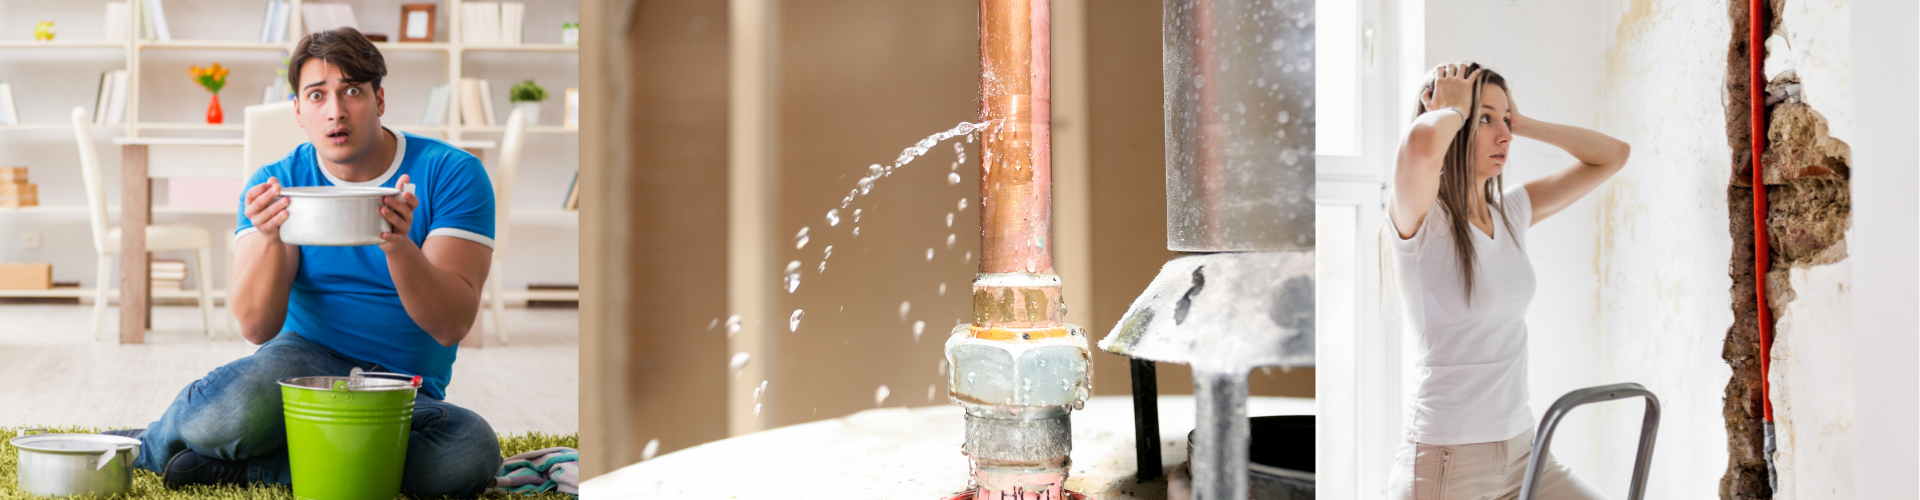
(1756, 91)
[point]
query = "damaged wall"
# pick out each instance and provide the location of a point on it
(1807, 172)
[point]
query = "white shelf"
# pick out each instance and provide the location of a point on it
(412, 46)
(218, 295)
(525, 47)
(543, 129)
(211, 45)
(62, 44)
(56, 126)
(200, 127)
(114, 209)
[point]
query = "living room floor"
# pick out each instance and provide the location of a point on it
(53, 373)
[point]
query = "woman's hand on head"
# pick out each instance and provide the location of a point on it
(1453, 88)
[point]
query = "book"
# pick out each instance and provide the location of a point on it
(511, 14)
(573, 194)
(470, 103)
(9, 114)
(116, 22)
(273, 27)
(480, 23)
(486, 102)
(117, 100)
(155, 19)
(101, 97)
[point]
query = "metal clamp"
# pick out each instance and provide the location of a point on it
(1649, 426)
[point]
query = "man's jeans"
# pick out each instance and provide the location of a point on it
(234, 413)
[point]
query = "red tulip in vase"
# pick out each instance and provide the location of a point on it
(212, 78)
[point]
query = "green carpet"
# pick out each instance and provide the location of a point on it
(146, 485)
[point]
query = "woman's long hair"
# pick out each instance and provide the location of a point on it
(1456, 176)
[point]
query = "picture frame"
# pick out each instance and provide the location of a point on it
(573, 109)
(417, 21)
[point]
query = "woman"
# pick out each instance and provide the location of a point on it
(1458, 248)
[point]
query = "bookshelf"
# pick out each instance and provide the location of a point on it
(159, 94)
(136, 49)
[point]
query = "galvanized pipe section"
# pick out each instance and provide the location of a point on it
(1220, 435)
(1240, 124)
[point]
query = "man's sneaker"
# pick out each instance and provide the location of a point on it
(188, 467)
(131, 433)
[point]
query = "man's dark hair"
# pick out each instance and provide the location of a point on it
(344, 48)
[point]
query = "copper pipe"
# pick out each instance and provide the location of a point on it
(1016, 185)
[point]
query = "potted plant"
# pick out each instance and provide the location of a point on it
(212, 78)
(526, 97)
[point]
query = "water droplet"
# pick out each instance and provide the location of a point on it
(653, 447)
(943, 368)
(943, 289)
(823, 267)
(803, 232)
(756, 409)
(970, 377)
(904, 307)
(950, 239)
(793, 276)
(856, 215)
(793, 323)
(874, 170)
(953, 178)
(929, 254)
(1285, 117)
(929, 392)
(714, 323)
(757, 391)
(856, 231)
(1289, 156)
(1026, 385)
(833, 217)
(866, 185)
(918, 328)
(880, 395)
(949, 219)
(969, 256)
(963, 204)
(733, 325)
(739, 361)
(801, 243)
(960, 152)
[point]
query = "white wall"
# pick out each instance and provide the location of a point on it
(1633, 282)
(1885, 244)
(49, 83)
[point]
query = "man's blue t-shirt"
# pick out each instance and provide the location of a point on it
(343, 297)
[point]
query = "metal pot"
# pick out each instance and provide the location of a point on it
(334, 216)
(75, 464)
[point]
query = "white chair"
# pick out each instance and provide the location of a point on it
(510, 147)
(106, 241)
(271, 132)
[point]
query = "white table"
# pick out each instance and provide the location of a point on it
(908, 453)
(145, 158)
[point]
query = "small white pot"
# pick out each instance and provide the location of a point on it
(334, 216)
(531, 109)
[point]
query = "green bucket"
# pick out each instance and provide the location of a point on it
(347, 436)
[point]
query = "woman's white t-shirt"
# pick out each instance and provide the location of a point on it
(1471, 359)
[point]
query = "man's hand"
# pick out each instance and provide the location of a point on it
(266, 209)
(398, 211)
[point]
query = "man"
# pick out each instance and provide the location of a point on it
(401, 306)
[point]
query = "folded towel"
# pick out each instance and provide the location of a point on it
(540, 471)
